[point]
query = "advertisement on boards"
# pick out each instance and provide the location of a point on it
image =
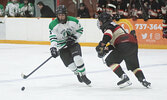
(149, 33)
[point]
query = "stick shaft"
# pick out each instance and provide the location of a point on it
(38, 67)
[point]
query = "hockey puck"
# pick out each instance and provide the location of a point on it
(23, 88)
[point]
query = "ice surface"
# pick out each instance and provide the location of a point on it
(53, 81)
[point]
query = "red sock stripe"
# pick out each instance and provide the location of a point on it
(138, 70)
(116, 68)
(116, 28)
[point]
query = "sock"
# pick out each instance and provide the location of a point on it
(73, 68)
(139, 74)
(117, 70)
(80, 64)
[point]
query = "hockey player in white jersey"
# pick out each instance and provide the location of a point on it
(64, 33)
(12, 9)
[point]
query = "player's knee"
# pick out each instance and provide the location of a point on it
(78, 60)
(72, 67)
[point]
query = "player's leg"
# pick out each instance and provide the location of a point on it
(67, 59)
(77, 58)
(113, 61)
(132, 64)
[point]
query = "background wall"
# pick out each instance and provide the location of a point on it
(149, 33)
(37, 29)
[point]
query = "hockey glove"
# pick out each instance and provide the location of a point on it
(71, 40)
(54, 52)
(110, 47)
(133, 32)
(101, 50)
(165, 33)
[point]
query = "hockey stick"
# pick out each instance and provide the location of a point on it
(4, 19)
(26, 76)
(103, 60)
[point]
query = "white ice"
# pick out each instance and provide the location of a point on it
(53, 81)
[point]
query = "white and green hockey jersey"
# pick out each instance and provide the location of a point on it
(58, 32)
(12, 9)
(23, 8)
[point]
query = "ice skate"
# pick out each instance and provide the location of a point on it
(124, 82)
(79, 78)
(146, 84)
(85, 80)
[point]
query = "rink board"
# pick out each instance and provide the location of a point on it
(36, 31)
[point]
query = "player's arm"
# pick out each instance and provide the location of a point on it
(54, 42)
(53, 49)
(75, 34)
(52, 38)
(107, 36)
(79, 30)
(102, 49)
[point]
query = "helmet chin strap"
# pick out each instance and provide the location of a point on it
(62, 21)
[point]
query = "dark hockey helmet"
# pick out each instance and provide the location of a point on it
(61, 9)
(81, 5)
(104, 17)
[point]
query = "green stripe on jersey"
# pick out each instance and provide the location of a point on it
(51, 36)
(61, 41)
(53, 24)
(81, 29)
(61, 45)
(70, 18)
(53, 41)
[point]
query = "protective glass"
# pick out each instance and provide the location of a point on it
(98, 24)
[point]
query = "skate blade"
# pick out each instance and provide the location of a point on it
(149, 86)
(89, 85)
(126, 84)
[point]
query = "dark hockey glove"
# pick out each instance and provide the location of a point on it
(101, 50)
(54, 52)
(110, 47)
(165, 33)
(70, 40)
(133, 32)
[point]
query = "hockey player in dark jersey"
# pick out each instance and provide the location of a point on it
(64, 33)
(165, 26)
(124, 47)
